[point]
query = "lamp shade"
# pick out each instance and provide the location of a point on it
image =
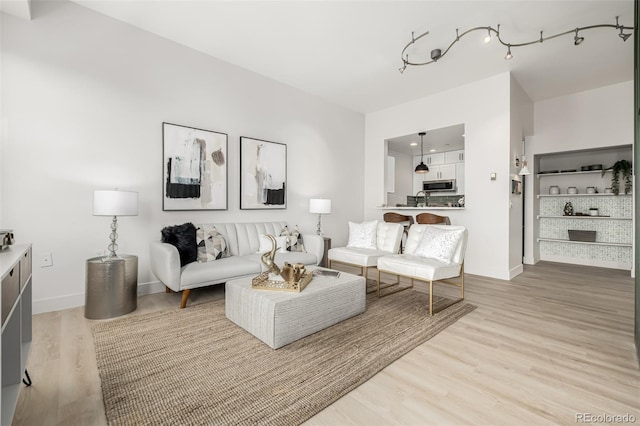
(115, 203)
(320, 206)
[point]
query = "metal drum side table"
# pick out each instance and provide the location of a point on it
(111, 286)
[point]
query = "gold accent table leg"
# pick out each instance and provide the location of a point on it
(185, 296)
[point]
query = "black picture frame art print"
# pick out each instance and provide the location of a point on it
(195, 173)
(263, 174)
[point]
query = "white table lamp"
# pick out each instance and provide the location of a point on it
(115, 203)
(319, 206)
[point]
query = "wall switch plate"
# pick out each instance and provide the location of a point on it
(46, 259)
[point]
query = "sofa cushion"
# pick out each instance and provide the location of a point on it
(356, 256)
(183, 237)
(197, 274)
(211, 243)
(363, 235)
(292, 257)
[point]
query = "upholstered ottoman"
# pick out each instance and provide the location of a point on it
(279, 318)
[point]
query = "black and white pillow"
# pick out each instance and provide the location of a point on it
(211, 244)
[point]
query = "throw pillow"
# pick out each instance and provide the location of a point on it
(438, 243)
(265, 244)
(298, 245)
(291, 240)
(183, 237)
(363, 235)
(211, 244)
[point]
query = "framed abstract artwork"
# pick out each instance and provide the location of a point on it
(263, 174)
(194, 163)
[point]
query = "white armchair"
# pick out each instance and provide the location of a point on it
(432, 253)
(367, 243)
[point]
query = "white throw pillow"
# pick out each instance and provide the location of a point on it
(439, 243)
(265, 244)
(363, 235)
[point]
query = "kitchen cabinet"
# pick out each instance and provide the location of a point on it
(442, 172)
(434, 159)
(460, 178)
(451, 157)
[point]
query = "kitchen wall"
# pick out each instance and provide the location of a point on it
(83, 100)
(595, 118)
(403, 179)
(521, 118)
(484, 108)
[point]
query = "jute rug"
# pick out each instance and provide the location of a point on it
(194, 367)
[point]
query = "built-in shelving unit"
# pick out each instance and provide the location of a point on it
(597, 243)
(584, 217)
(613, 245)
(16, 295)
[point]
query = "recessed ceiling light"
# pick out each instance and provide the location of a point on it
(414, 144)
(432, 150)
(463, 135)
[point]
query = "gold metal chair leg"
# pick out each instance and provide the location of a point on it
(378, 283)
(430, 298)
(462, 281)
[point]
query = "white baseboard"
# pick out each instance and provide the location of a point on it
(529, 260)
(69, 301)
(588, 262)
(514, 272)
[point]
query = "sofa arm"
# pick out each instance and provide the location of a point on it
(165, 264)
(314, 244)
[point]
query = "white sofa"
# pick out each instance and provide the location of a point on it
(243, 241)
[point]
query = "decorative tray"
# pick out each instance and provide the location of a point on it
(262, 282)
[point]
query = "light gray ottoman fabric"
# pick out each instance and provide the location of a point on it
(279, 318)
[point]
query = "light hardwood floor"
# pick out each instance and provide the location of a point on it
(554, 342)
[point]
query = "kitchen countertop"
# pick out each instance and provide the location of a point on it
(420, 208)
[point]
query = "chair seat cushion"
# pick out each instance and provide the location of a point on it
(356, 256)
(418, 267)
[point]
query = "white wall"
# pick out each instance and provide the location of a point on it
(521, 118)
(403, 179)
(84, 97)
(483, 107)
(596, 118)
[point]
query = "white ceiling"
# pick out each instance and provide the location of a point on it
(349, 52)
(449, 138)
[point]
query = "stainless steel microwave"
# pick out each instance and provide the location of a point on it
(439, 185)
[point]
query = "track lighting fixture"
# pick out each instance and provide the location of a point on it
(437, 54)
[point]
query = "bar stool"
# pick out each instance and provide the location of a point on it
(406, 221)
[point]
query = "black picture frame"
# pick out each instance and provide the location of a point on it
(195, 172)
(263, 174)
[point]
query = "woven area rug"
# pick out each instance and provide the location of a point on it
(193, 366)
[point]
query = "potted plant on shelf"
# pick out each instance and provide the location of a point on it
(621, 167)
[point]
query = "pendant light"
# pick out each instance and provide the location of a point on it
(422, 168)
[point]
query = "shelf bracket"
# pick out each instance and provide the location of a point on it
(27, 380)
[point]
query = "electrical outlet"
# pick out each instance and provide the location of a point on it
(46, 259)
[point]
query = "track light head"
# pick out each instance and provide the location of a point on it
(508, 55)
(623, 36)
(487, 38)
(435, 54)
(577, 39)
